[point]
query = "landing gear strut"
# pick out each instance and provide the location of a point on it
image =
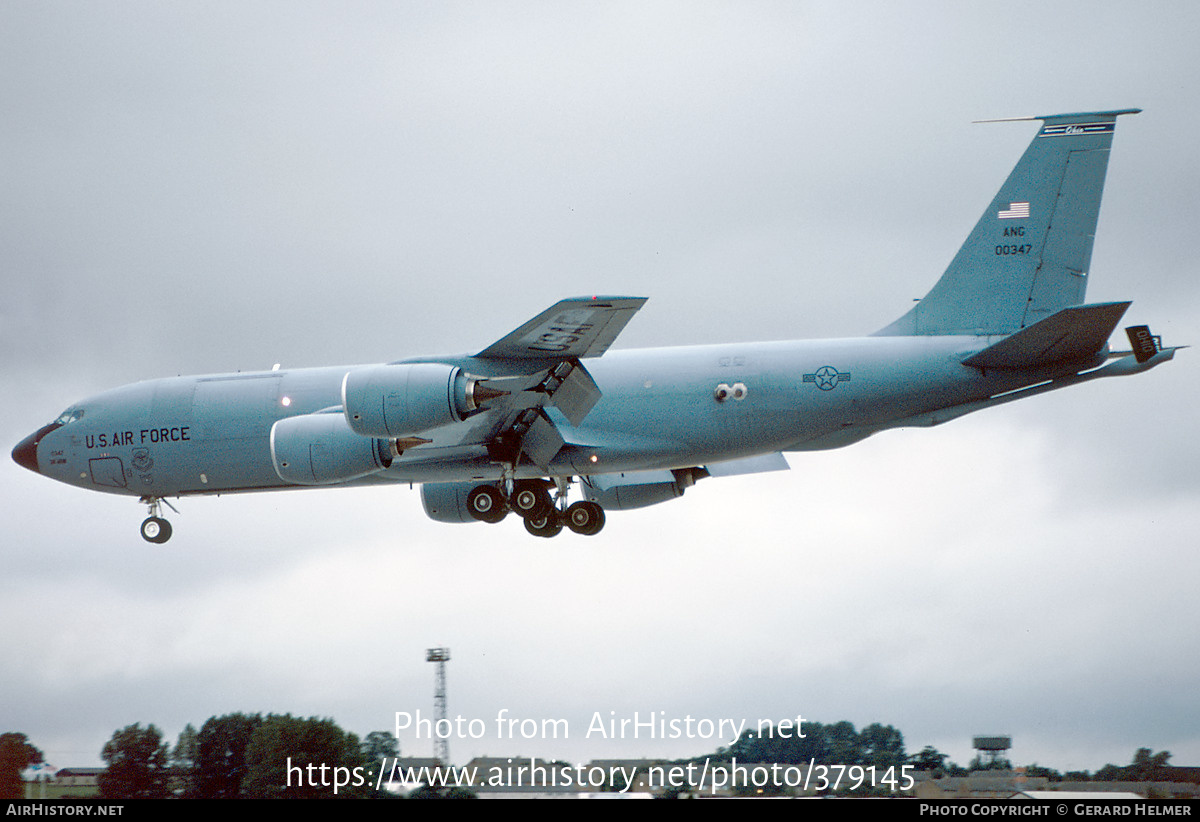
(154, 528)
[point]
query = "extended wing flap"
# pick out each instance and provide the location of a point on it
(573, 328)
(1070, 334)
(542, 441)
(576, 395)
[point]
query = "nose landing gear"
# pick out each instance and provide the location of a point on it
(154, 528)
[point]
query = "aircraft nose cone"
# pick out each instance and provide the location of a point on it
(25, 454)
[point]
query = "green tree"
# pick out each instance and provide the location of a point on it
(781, 743)
(292, 758)
(186, 748)
(378, 746)
(220, 764)
(1148, 767)
(843, 743)
(16, 754)
(929, 759)
(137, 764)
(429, 792)
(184, 756)
(997, 764)
(1039, 770)
(379, 750)
(881, 746)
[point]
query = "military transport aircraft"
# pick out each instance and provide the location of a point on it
(515, 426)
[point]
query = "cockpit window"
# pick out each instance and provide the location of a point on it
(70, 415)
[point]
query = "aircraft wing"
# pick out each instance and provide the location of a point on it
(517, 422)
(579, 327)
(536, 368)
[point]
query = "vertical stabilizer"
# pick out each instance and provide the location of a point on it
(1030, 252)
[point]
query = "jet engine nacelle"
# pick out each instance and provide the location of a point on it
(406, 399)
(320, 449)
(447, 501)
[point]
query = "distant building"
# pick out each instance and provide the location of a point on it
(44, 781)
(80, 777)
(1003, 784)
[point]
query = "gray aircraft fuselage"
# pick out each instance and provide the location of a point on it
(211, 434)
(548, 403)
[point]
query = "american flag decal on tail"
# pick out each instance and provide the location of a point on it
(1015, 211)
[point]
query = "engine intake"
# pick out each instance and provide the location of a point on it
(406, 399)
(320, 449)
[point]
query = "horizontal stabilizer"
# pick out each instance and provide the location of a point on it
(1074, 333)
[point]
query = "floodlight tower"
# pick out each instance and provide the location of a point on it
(441, 744)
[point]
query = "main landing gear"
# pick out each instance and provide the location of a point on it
(154, 528)
(543, 516)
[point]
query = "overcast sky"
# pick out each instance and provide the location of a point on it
(208, 187)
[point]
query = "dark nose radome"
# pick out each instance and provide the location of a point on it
(25, 454)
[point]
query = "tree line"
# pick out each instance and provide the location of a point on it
(235, 756)
(242, 755)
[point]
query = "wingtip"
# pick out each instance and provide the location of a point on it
(605, 298)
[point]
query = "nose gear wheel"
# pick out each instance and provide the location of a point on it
(154, 528)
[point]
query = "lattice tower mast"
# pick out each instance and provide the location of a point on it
(441, 742)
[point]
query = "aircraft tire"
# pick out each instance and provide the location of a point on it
(156, 530)
(530, 499)
(549, 525)
(486, 504)
(585, 517)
